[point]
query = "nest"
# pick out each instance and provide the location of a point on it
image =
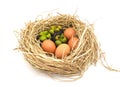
(85, 54)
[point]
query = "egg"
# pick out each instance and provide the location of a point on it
(62, 51)
(73, 42)
(48, 46)
(69, 32)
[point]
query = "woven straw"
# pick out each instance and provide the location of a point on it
(86, 53)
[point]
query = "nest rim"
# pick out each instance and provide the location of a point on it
(40, 59)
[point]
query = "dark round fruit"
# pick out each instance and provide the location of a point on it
(55, 34)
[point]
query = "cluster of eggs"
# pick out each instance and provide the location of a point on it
(59, 41)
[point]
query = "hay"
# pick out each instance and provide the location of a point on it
(86, 53)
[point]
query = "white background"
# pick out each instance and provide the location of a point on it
(16, 72)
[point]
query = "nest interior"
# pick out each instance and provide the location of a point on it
(86, 53)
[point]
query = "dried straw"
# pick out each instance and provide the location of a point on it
(86, 53)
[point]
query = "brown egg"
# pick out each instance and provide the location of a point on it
(73, 42)
(69, 32)
(48, 46)
(62, 51)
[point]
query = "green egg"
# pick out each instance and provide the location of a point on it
(48, 35)
(51, 31)
(45, 32)
(58, 42)
(41, 33)
(60, 27)
(53, 27)
(63, 40)
(57, 29)
(62, 35)
(43, 37)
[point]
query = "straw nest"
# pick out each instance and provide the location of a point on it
(86, 53)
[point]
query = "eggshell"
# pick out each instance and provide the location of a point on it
(48, 46)
(62, 51)
(69, 32)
